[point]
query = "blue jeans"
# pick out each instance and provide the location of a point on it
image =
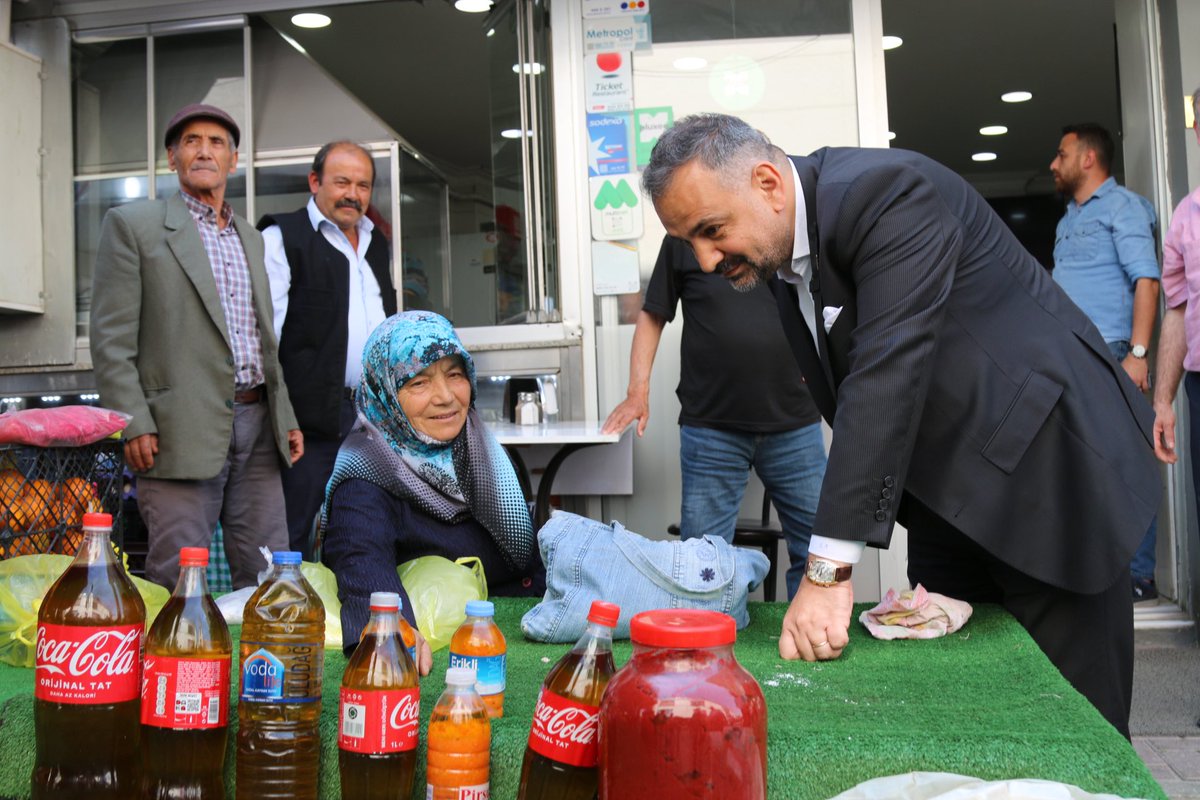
(716, 467)
(1142, 566)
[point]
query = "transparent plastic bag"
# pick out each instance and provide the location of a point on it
(24, 581)
(439, 589)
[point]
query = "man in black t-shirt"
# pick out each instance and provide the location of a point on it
(743, 402)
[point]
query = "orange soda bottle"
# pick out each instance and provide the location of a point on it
(185, 691)
(459, 742)
(479, 645)
(408, 635)
(380, 710)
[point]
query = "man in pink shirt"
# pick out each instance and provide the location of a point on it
(1179, 340)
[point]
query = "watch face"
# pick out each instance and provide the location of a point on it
(822, 572)
(1138, 351)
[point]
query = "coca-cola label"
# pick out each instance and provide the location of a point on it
(379, 721)
(478, 792)
(563, 730)
(185, 693)
(88, 665)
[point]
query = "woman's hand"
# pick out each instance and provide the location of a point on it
(424, 655)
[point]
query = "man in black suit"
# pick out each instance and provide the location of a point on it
(969, 398)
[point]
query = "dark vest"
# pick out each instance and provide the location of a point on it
(312, 347)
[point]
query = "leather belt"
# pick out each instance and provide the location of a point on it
(249, 396)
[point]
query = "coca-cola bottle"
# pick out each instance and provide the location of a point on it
(560, 760)
(88, 676)
(380, 711)
(185, 691)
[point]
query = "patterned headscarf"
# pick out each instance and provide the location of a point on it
(469, 476)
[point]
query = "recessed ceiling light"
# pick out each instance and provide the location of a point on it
(473, 6)
(892, 42)
(993, 130)
(1016, 97)
(310, 20)
(514, 133)
(529, 68)
(491, 32)
(984, 157)
(690, 63)
(891, 135)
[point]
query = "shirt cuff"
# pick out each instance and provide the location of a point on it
(837, 549)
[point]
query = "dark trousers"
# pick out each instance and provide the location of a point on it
(244, 497)
(304, 484)
(1089, 638)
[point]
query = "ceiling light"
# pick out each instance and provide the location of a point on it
(891, 135)
(1016, 97)
(133, 188)
(514, 133)
(294, 43)
(310, 20)
(491, 32)
(529, 68)
(690, 63)
(984, 157)
(993, 130)
(473, 6)
(892, 42)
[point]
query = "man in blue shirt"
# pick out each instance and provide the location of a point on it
(1105, 260)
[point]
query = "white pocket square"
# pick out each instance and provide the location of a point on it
(830, 313)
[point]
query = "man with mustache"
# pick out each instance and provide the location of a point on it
(181, 339)
(331, 284)
(970, 399)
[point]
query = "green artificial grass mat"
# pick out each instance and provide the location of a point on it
(984, 702)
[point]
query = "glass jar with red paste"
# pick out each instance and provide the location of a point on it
(683, 719)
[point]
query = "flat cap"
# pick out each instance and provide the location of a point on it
(200, 111)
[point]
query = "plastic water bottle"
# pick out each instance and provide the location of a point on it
(380, 711)
(459, 747)
(279, 706)
(560, 759)
(185, 691)
(479, 645)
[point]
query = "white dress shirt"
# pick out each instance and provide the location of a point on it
(365, 310)
(800, 273)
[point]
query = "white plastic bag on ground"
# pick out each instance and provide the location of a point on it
(944, 786)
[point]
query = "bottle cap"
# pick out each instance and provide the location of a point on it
(97, 520)
(460, 676)
(385, 601)
(285, 557)
(193, 556)
(687, 628)
(480, 608)
(605, 614)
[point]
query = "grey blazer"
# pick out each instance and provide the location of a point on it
(958, 372)
(160, 346)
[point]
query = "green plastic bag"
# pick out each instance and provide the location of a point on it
(323, 580)
(24, 581)
(439, 589)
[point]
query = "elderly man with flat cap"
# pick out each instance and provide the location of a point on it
(182, 340)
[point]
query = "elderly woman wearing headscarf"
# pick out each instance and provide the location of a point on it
(420, 475)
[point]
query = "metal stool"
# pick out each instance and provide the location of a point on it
(762, 533)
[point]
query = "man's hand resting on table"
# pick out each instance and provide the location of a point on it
(816, 626)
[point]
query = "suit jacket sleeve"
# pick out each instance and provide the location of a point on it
(898, 245)
(115, 323)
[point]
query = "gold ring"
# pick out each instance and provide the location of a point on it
(820, 644)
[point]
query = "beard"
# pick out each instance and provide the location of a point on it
(758, 271)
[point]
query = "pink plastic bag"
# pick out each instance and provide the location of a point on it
(65, 426)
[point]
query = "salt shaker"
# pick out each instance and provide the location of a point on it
(529, 410)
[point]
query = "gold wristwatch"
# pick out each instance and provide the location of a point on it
(827, 573)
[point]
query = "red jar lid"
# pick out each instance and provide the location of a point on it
(682, 627)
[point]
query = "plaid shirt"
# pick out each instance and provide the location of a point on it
(232, 273)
